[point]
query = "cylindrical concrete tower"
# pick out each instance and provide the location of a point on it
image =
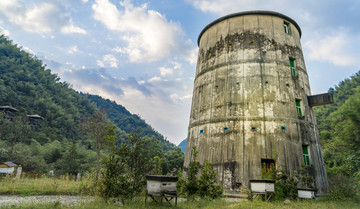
(250, 99)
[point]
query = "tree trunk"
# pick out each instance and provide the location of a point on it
(98, 164)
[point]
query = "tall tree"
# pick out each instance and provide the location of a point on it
(101, 131)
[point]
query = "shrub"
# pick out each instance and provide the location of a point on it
(124, 170)
(344, 188)
(203, 186)
(207, 183)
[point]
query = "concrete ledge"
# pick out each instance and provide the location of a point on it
(320, 99)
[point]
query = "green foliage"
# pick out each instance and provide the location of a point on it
(173, 161)
(124, 170)
(157, 166)
(344, 188)
(101, 131)
(207, 182)
(27, 85)
(126, 121)
(191, 184)
(339, 128)
(203, 186)
(340, 137)
(285, 186)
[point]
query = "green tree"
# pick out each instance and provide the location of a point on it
(157, 166)
(204, 185)
(191, 185)
(13, 132)
(124, 170)
(208, 186)
(173, 161)
(102, 133)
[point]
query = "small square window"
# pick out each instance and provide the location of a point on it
(287, 27)
(306, 155)
(298, 107)
(292, 66)
(268, 164)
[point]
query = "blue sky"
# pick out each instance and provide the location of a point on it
(142, 54)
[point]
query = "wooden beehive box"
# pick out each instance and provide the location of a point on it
(306, 193)
(158, 184)
(262, 186)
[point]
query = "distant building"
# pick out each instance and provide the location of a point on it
(10, 112)
(7, 168)
(35, 119)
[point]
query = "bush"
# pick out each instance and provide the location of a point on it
(207, 183)
(124, 170)
(344, 188)
(203, 186)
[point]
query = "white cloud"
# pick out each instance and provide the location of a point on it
(108, 60)
(39, 18)
(4, 32)
(148, 35)
(73, 49)
(28, 50)
(338, 47)
(175, 64)
(192, 56)
(176, 98)
(154, 79)
(166, 71)
(71, 28)
(225, 6)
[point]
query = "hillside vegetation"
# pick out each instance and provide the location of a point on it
(126, 121)
(339, 126)
(27, 85)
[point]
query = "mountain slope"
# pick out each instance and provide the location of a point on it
(182, 145)
(126, 121)
(27, 85)
(339, 128)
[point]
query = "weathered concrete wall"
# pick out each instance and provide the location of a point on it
(243, 80)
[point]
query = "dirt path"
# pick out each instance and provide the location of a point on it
(16, 200)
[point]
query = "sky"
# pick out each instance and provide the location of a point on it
(142, 54)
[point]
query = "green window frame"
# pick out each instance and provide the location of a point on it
(287, 27)
(292, 66)
(298, 107)
(306, 155)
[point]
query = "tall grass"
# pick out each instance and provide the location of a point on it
(39, 185)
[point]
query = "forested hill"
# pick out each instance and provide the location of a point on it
(28, 86)
(339, 126)
(126, 121)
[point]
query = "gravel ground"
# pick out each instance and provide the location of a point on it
(16, 200)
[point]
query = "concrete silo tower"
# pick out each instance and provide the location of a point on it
(252, 97)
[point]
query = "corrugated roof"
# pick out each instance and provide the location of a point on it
(35, 117)
(8, 108)
(10, 164)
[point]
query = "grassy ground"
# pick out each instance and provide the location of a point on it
(65, 185)
(216, 204)
(39, 185)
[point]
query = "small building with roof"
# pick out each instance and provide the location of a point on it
(10, 112)
(7, 167)
(35, 119)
